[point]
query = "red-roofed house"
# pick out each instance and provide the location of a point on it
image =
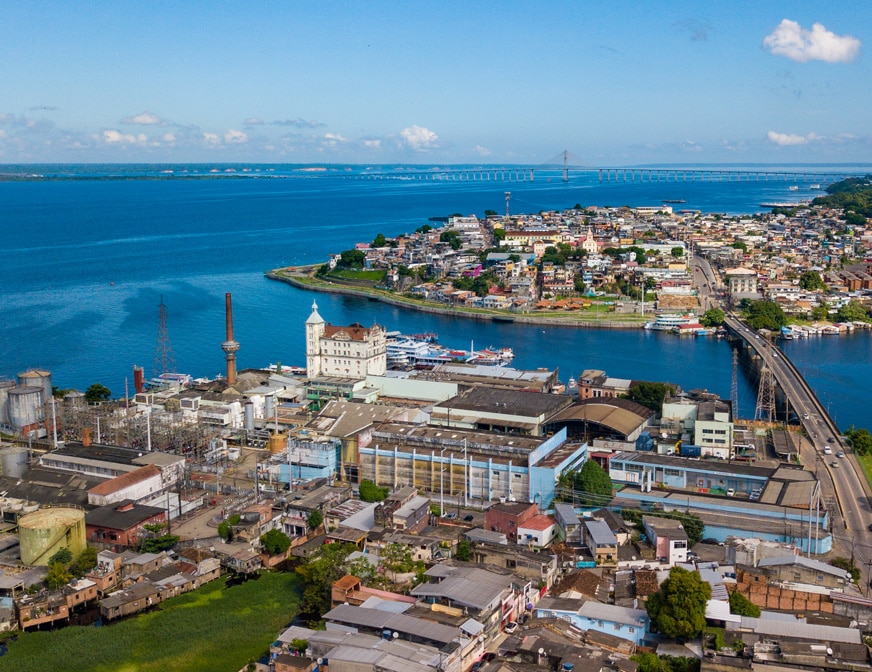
(136, 485)
(538, 531)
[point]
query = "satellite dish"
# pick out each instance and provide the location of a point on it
(541, 651)
(395, 635)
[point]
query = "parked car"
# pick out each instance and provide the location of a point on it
(449, 516)
(510, 628)
(834, 464)
(488, 656)
(469, 518)
(731, 492)
(755, 494)
(523, 618)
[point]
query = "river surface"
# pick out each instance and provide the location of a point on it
(86, 262)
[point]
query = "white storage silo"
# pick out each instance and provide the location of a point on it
(26, 406)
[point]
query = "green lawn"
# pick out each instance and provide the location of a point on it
(213, 629)
(866, 464)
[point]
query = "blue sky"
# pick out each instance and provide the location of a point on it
(617, 83)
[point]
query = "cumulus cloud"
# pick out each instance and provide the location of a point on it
(113, 137)
(144, 119)
(818, 44)
(788, 139)
(419, 139)
(481, 151)
(234, 137)
(211, 139)
(253, 121)
(372, 144)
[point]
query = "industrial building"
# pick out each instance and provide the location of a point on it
(460, 466)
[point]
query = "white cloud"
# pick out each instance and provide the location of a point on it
(788, 139)
(330, 140)
(232, 136)
(211, 139)
(169, 138)
(253, 121)
(481, 151)
(372, 144)
(113, 137)
(818, 44)
(418, 138)
(144, 119)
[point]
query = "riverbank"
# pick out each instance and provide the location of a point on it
(303, 277)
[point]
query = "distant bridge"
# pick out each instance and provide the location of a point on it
(641, 175)
(565, 165)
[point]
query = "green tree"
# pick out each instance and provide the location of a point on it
(713, 317)
(678, 608)
(820, 312)
(275, 542)
(650, 662)
(594, 484)
(424, 228)
(63, 556)
(853, 311)
(96, 393)
(299, 645)
(225, 528)
(351, 259)
(86, 561)
(812, 281)
(364, 570)
(464, 548)
(860, 440)
(157, 544)
(57, 575)
(491, 213)
(740, 245)
(313, 522)
(741, 605)
(578, 283)
(649, 394)
(677, 252)
(765, 315)
(370, 492)
(380, 241)
(452, 238)
(396, 558)
(325, 567)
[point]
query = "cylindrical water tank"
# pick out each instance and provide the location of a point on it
(26, 406)
(269, 408)
(249, 417)
(37, 378)
(5, 386)
(45, 532)
(278, 443)
(74, 399)
(13, 461)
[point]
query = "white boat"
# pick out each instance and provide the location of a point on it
(793, 187)
(816, 187)
(669, 321)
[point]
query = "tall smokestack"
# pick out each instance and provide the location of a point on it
(230, 346)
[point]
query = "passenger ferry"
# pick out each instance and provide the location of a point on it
(670, 321)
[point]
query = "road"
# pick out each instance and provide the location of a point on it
(850, 523)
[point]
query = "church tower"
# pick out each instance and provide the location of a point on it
(314, 331)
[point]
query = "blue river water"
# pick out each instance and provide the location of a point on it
(86, 262)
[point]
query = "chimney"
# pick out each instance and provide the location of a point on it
(229, 346)
(138, 379)
(86, 436)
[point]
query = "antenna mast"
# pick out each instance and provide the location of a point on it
(565, 165)
(164, 360)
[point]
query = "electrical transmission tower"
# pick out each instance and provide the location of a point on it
(566, 165)
(765, 409)
(734, 388)
(164, 360)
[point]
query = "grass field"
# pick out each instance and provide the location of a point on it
(866, 464)
(214, 629)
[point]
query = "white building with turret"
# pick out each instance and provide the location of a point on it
(352, 352)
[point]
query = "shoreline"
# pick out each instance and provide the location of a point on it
(293, 275)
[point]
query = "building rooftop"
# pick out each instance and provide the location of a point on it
(127, 480)
(507, 402)
(114, 516)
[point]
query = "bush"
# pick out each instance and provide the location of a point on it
(275, 542)
(370, 492)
